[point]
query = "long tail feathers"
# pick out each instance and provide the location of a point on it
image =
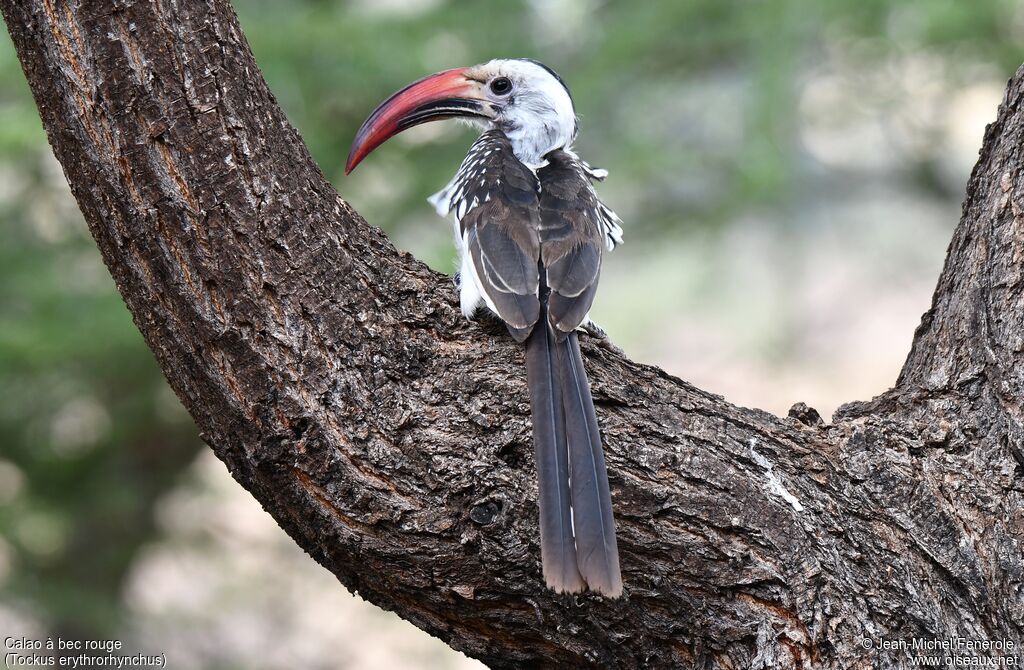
(596, 549)
(578, 548)
(557, 547)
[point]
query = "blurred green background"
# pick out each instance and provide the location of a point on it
(789, 174)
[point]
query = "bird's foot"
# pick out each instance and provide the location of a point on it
(594, 330)
(488, 321)
(599, 334)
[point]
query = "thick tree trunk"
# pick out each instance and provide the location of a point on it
(336, 379)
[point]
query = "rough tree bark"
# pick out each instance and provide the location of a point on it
(335, 378)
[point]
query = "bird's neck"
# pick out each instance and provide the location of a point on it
(531, 144)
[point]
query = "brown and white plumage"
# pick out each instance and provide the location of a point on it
(531, 232)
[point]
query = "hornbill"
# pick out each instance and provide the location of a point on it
(530, 231)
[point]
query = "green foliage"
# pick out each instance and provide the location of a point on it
(648, 78)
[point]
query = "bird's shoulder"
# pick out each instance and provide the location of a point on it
(490, 172)
(568, 196)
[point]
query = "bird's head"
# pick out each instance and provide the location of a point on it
(523, 98)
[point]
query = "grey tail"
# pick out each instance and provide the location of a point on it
(594, 527)
(577, 530)
(557, 546)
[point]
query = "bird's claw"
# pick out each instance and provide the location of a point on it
(594, 330)
(599, 334)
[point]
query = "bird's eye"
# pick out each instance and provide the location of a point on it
(501, 85)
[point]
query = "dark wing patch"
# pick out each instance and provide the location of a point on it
(571, 237)
(507, 263)
(497, 205)
(506, 268)
(575, 272)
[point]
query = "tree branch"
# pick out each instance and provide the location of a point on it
(336, 379)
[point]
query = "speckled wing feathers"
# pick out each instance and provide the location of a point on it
(495, 198)
(571, 237)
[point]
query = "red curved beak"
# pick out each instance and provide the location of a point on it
(440, 96)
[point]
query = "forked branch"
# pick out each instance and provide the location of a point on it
(336, 379)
